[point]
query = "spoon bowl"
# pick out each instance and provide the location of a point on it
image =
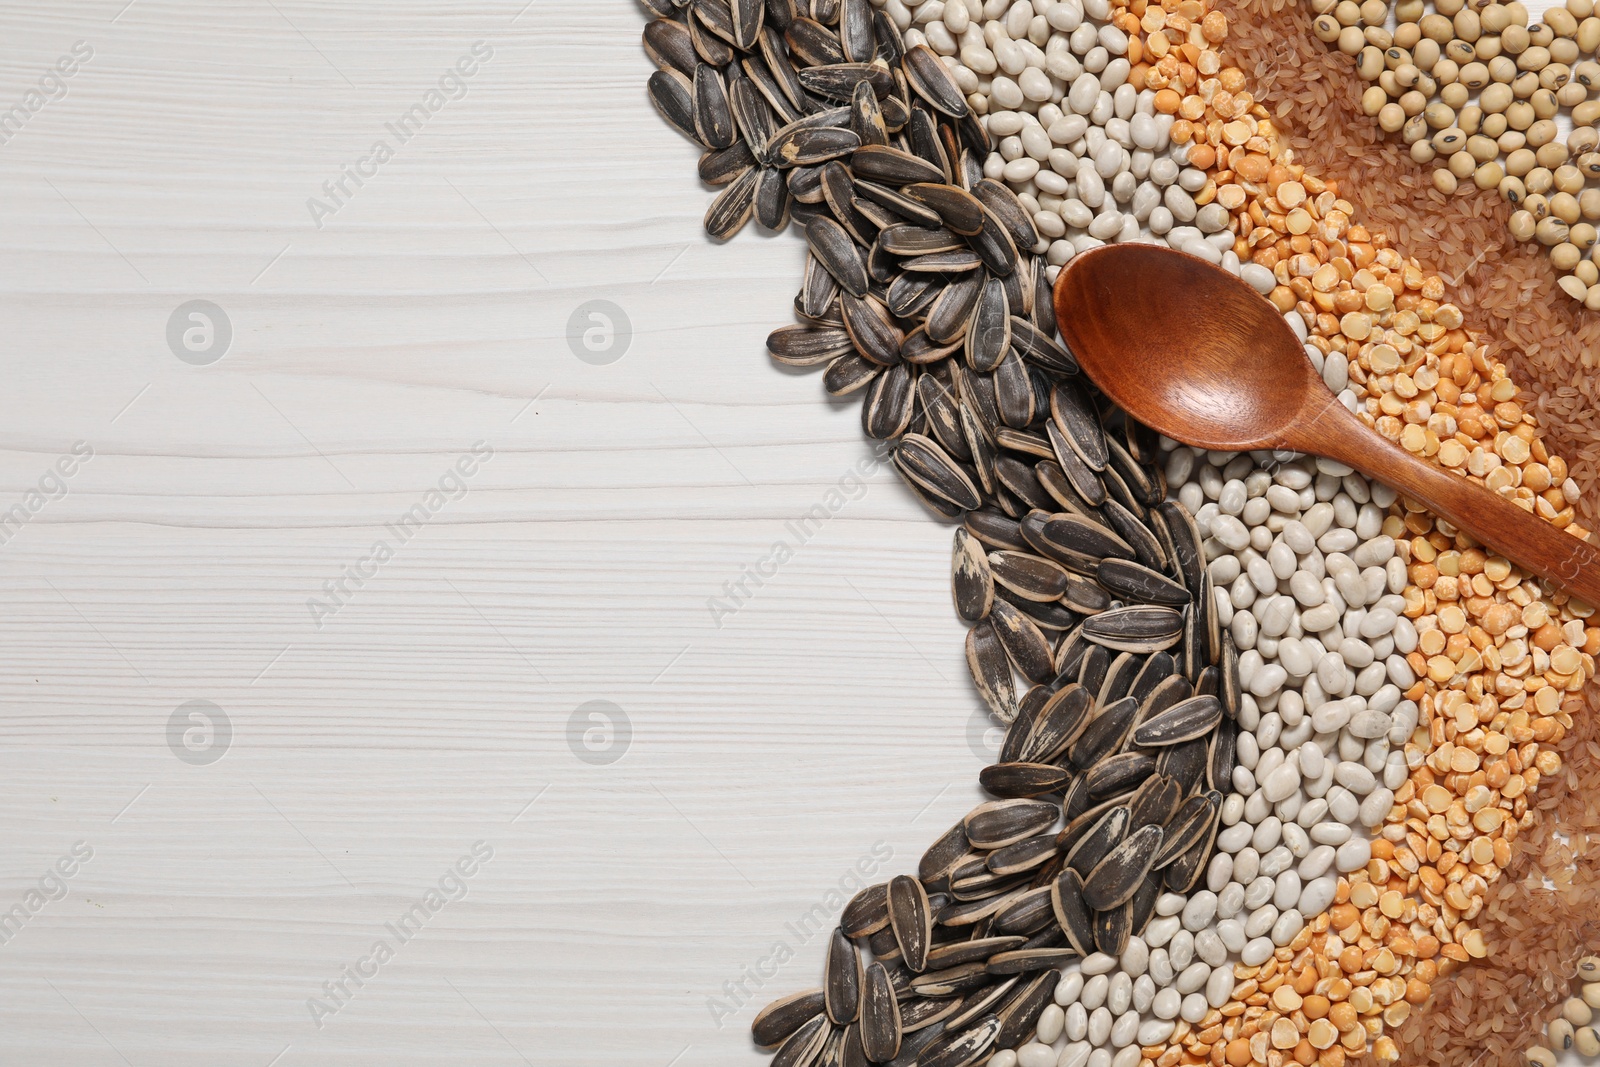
(1194, 352)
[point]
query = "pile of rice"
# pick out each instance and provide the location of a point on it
(1507, 289)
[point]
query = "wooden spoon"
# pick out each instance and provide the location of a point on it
(1192, 351)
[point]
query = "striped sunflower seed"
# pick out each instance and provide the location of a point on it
(856, 34)
(1156, 801)
(929, 79)
(803, 1047)
(842, 980)
(1028, 576)
(813, 43)
(847, 374)
(713, 117)
(1058, 725)
(840, 255)
(881, 163)
(797, 146)
(1135, 628)
(880, 1016)
(999, 823)
(733, 206)
(1066, 901)
(667, 43)
(723, 165)
(1184, 721)
(776, 1022)
(991, 671)
(1023, 779)
(948, 317)
(771, 207)
(673, 96)
(1115, 878)
(971, 583)
(960, 210)
(1020, 1014)
(911, 920)
(806, 346)
(867, 912)
(1134, 581)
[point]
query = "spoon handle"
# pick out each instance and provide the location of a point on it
(1570, 563)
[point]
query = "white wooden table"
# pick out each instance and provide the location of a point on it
(427, 704)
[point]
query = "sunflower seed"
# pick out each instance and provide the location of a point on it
(971, 582)
(1040, 348)
(713, 118)
(991, 671)
(867, 912)
(805, 346)
(667, 43)
(920, 1016)
(1146, 549)
(1190, 823)
(1134, 581)
(1028, 576)
(803, 1046)
(1023, 640)
(924, 462)
(673, 96)
(1135, 628)
(1113, 928)
(947, 318)
(866, 116)
(1075, 541)
(953, 262)
(1184, 763)
(752, 115)
(872, 328)
(880, 1016)
(885, 164)
(887, 413)
(842, 982)
(909, 239)
(1009, 212)
(959, 209)
(1020, 1014)
(783, 1017)
(1183, 872)
(1116, 877)
(998, 823)
(994, 247)
(930, 80)
(771, 206)
(1023, 779)
(801, 146)
(909, 210)
(981, 1002)
(1026, 913)
(1104, 733)
(746, 17)
(1117, 774)
(813, 43)
(911, 920)
(1222, 755)
(1058, 725)
(1185, 721)
(1155, 802)
(725, 164)
(838, 81)
(847, 374)
(839, 254)
(733, 206)
(1066, 901)
(1026, 855)
(709, 30)
(909, 295)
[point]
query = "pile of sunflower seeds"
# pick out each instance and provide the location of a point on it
(1219, 790)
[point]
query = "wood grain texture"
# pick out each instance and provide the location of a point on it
(769, 754)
